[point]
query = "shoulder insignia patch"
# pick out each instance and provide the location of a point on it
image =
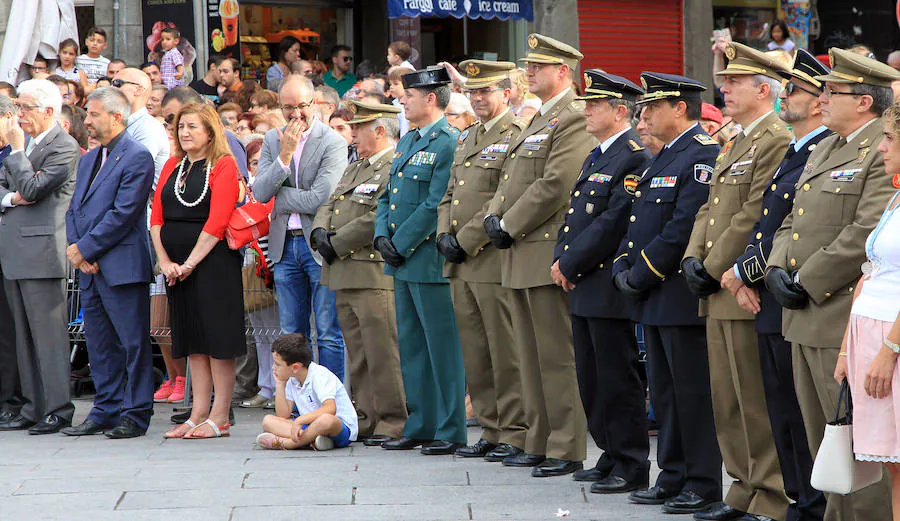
(577, 105)
(631, 183)
(704, 139)
(703, 173)
(635, 147)
(463, 135)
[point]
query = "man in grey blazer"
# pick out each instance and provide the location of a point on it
(300, 165)
(36, 183)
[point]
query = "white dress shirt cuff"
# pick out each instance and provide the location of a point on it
(7, 201)
(737, 273)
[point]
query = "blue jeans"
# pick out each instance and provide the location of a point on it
(297, 279)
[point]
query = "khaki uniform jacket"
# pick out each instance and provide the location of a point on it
(840, 197)
(477, 165)
(350, 214)
(743, 172)
(533, 195)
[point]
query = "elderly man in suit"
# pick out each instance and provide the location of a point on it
(105, 228)
(36, 184)
(300, 165)
(9, 370)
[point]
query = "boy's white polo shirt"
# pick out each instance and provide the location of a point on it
(320, 385)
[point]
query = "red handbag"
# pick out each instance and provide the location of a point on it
(248, 222)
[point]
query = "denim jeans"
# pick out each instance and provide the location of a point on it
(297, 279)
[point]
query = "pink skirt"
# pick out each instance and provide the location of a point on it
(876, 425)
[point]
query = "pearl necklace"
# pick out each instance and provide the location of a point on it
(180, 182)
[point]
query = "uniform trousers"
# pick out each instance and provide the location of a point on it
(687, 451)
(492, 368)
(742, 419)
(370, 332)
(543, 338)
(817, 394)
(606, 358)
(431, 361)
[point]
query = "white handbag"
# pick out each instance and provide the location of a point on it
(835, 469)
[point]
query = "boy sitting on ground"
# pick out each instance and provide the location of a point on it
(312, 408)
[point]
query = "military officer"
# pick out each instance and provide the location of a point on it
(820, 246)
(800, 108)
(523, 218)
(606, 351)
(666, 198)
(354, 270)
(405, 226)
(480, 302)
(721, 228)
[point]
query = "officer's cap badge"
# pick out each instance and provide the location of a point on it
(533, 41)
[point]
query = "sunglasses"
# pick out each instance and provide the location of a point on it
(790, 88)
(117, 83)
(829, 93)
(348, 58)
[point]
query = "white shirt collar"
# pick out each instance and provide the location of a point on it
(490, 124)
(858, 131)
(682, 134)
(608, 143)
(552, 101)
(749, 128)
(40, 137)
(377, 155)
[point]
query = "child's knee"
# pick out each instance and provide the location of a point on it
(268, 420)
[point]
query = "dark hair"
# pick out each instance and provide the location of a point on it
(39, 58)
(96, 30)
(284, 46)
(148, 64)
(784, 29)
(442, 93)
(8, 87)
(293, 348)
(265, 97)
(183, 95)
(214, 60)
(173, 31)
(236, 65)
(57, 80)
(343, 113)
(365, 69)
(245, 92)
(75, 116)
(401, 49)
(117, 60)
(694, 107)
(338, 48)
(882, 97)
(79, 90)
(252, 148)
(68, 42)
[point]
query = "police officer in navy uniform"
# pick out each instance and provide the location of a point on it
(646, 267)
(606, 351)
(800, 108)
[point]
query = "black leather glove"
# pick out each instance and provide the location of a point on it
(788, 293)
(320, 241)
(317, 238)
(622, 284)
(389, 252)
(699, 281)
(499, 238)
(449, 247)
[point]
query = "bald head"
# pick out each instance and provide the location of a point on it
(893, 60)
(137, 87)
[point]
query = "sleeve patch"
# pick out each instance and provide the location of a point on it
(703, 173)
(631, 183)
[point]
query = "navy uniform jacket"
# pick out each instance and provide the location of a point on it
(594, 227)
(777, 202)
(667, 199)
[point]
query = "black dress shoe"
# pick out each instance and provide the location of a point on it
(718, 511)
(479, 450)
(17, 423)
(523, 459)
(49, 425)
(652, 496)
(591, 474)
(88, 428)
(376, 440)
(6, 416)
(127, 428)
(440, 448)
(402, 443)
(552, 467)
(501, 452)
(616, 485)
(686, 503)
(754, 517)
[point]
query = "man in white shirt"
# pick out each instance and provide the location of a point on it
(142, 127)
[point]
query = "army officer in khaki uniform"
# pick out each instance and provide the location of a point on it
(473, 267)
(816, 257)
(342, 233)
(743, 172)
(524, 217)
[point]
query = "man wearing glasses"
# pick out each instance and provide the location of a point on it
(300, 165)
(339, 77)
(142, 127)
(818, 250)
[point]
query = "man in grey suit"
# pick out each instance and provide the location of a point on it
(36, 183)
(300, 165)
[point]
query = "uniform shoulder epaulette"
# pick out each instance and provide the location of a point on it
(519, 122)
(635, 147)
(577, 105)
(703, 139)
(451, 130)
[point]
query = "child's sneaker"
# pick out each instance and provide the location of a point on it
(323, 443)
(165, 390)
(268, 440)
(177, 390)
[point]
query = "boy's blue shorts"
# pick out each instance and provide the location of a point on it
(343, 437)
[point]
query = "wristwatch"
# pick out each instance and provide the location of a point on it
(895, 347)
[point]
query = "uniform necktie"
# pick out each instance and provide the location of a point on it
(481, 132)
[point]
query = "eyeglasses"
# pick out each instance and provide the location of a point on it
(25, 108)
(481, 92)
(289, 109)
(829, 93)
(534, 67)
(38, 69)
(790, 88)
(170, 120)
(452, 114)
(348, 58)
(117, 83)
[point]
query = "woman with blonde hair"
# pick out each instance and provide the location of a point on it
(195, 197)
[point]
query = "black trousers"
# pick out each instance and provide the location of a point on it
(606, 357)
(687, 450)
(10, 392)
(788, 430)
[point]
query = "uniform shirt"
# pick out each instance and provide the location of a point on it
(552, 101)
(95, 68)
(878, 299)
(604, 146)
(321, 385)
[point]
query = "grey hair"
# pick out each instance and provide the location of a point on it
(114, 101)
(46, 94)
(882, 97)
(627, 103)
(6, 106)
(460, 104)
(390, 125)
(774, 86)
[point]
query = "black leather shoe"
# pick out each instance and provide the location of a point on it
(501, 452)
(523, 459)
(615, 485)
(552, 467)
(376, 440)
(479, 450)
(49, 425)
(652, 496)
(17, 423)
(6, 416)
(402, 443)
(754, 517)
(718, 511)
(686, 503)
(88, 428)
(440, 448)
(127, 428)
(591, 474)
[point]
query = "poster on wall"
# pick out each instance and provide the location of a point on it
(797, 15)
(160, 14)
(222, 23)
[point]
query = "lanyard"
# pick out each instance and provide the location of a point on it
(870, 243)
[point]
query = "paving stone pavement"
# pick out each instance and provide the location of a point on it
(93, 478)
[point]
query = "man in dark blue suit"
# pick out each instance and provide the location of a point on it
(800, 108)
(646, 267)
(606, 351)
(107, 236)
